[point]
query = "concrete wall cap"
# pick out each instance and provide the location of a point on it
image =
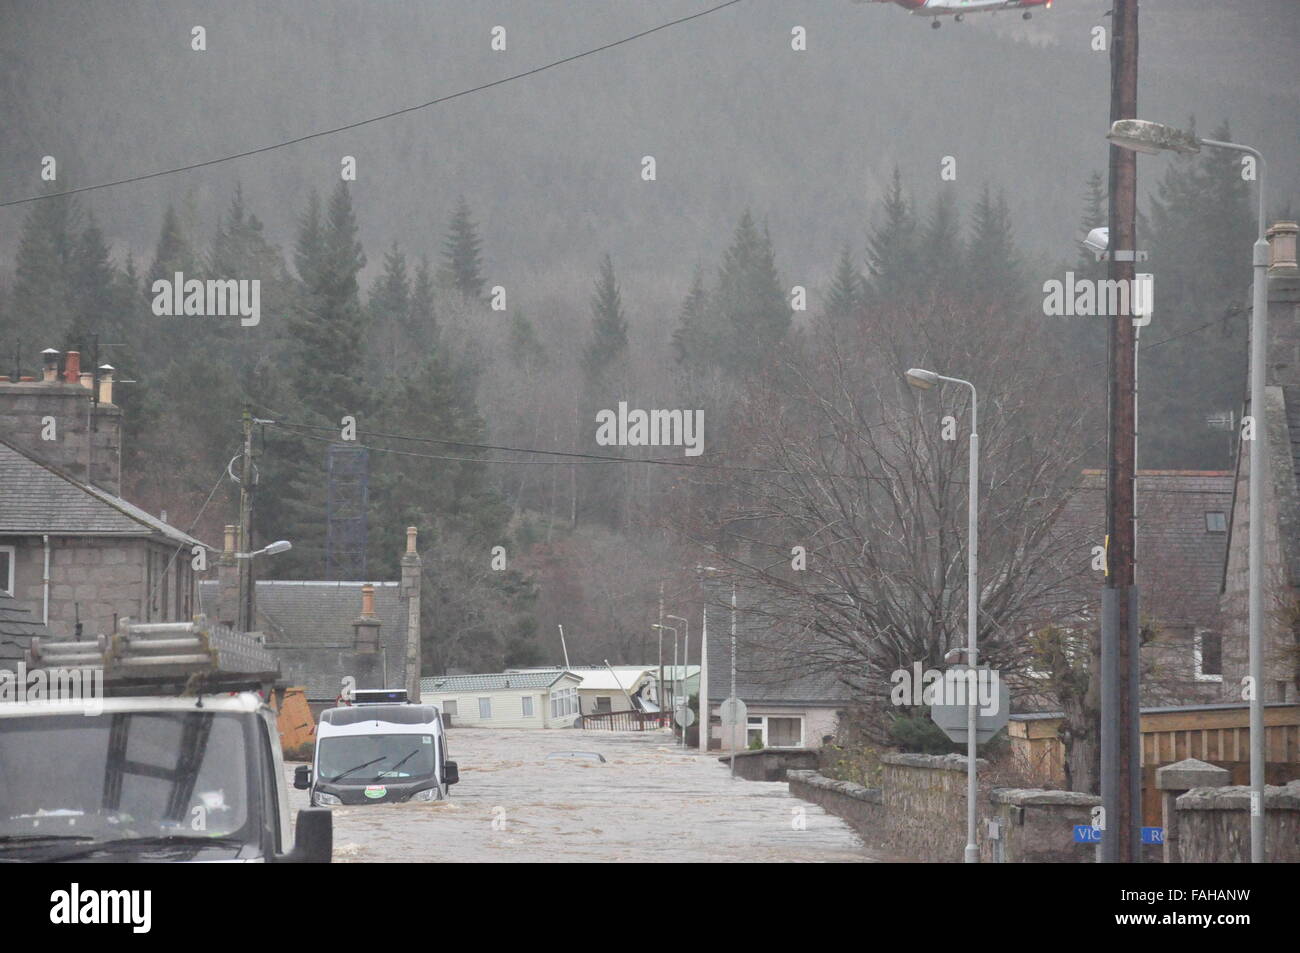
(936, 762)
(1022, 797)
(1191, 773)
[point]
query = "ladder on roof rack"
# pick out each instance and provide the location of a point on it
(198, 652)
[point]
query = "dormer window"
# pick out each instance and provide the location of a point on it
(1216, 521)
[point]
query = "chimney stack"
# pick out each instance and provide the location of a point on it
(365, 627)
(1281, 247)
(227, 609)
(88, 447)
(411, 572)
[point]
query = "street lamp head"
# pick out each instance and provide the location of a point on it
(921, 379)
(1097, 240)
(279, 546)
(1152, 138)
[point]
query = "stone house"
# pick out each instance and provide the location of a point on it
(1182, 540)
(80, 558)
(1280, 420)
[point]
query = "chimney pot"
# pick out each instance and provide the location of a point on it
(411, 532)
(86, 380)
(231, 533)
(50, 360)
(72, 367)
(367, 601)
(106, 383)
(1282, 246)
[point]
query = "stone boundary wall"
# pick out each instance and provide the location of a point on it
(771, 764)
(1029, 826)
(860, 806)
(1214, 825)
(924, 800)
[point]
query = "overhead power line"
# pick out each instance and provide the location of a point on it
(373, 119)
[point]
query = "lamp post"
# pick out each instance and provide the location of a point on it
(1151, 138)
(246, 610)
(663, 689)
(924, 380)
(679, 677)
(704, 704)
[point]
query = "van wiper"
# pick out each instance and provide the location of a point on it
(339, 777)
(403, 761)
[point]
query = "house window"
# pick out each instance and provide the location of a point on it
(772, 731)
(484, 709)
(602, 703)
(1216, 521)
(526, 705)
(1207, 656)
(7, 559)
(784, 732)
(449, 707)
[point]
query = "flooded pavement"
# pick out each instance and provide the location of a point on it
(649, 801)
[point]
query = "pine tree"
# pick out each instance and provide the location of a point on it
(1201, 229)
(845, 298)
(42, 301)
(525, 347)
(327, 327)
(173, 252)
(891, 248)
(91, 281)
(390, 313)
(462, 259)
(309, 250)
(753, 313)
(605, 357)
(1095, 215)
(940, 248)
(423, 320)
(992, 260)
(691, 339)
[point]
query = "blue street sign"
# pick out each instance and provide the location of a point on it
(1086, 834)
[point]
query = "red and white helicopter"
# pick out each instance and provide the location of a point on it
(957, 9)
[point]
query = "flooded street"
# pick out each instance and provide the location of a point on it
(649, 801)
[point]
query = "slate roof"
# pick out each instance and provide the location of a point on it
(490, 682)
(38, 498)
(17, 626)
(309, 627)
(1179, 560)
(776, 675)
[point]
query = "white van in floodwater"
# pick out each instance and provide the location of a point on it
(379, 750)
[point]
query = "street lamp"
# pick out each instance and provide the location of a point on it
(679, 676)
(732, 695)
(663, 689)
(925, 380)
(1150, 138)
(279, 546)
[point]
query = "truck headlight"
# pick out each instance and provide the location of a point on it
(428, 794)
(327, 800)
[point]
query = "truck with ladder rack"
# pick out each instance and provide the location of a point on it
(154, 744)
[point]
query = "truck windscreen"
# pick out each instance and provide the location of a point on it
(123, 775)
(375, 757)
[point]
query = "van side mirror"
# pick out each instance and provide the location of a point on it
(302, 777)
(451, 773)
(313, 837)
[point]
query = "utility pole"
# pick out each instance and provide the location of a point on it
(1121, 781)
(246, 623)
(660, 628)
